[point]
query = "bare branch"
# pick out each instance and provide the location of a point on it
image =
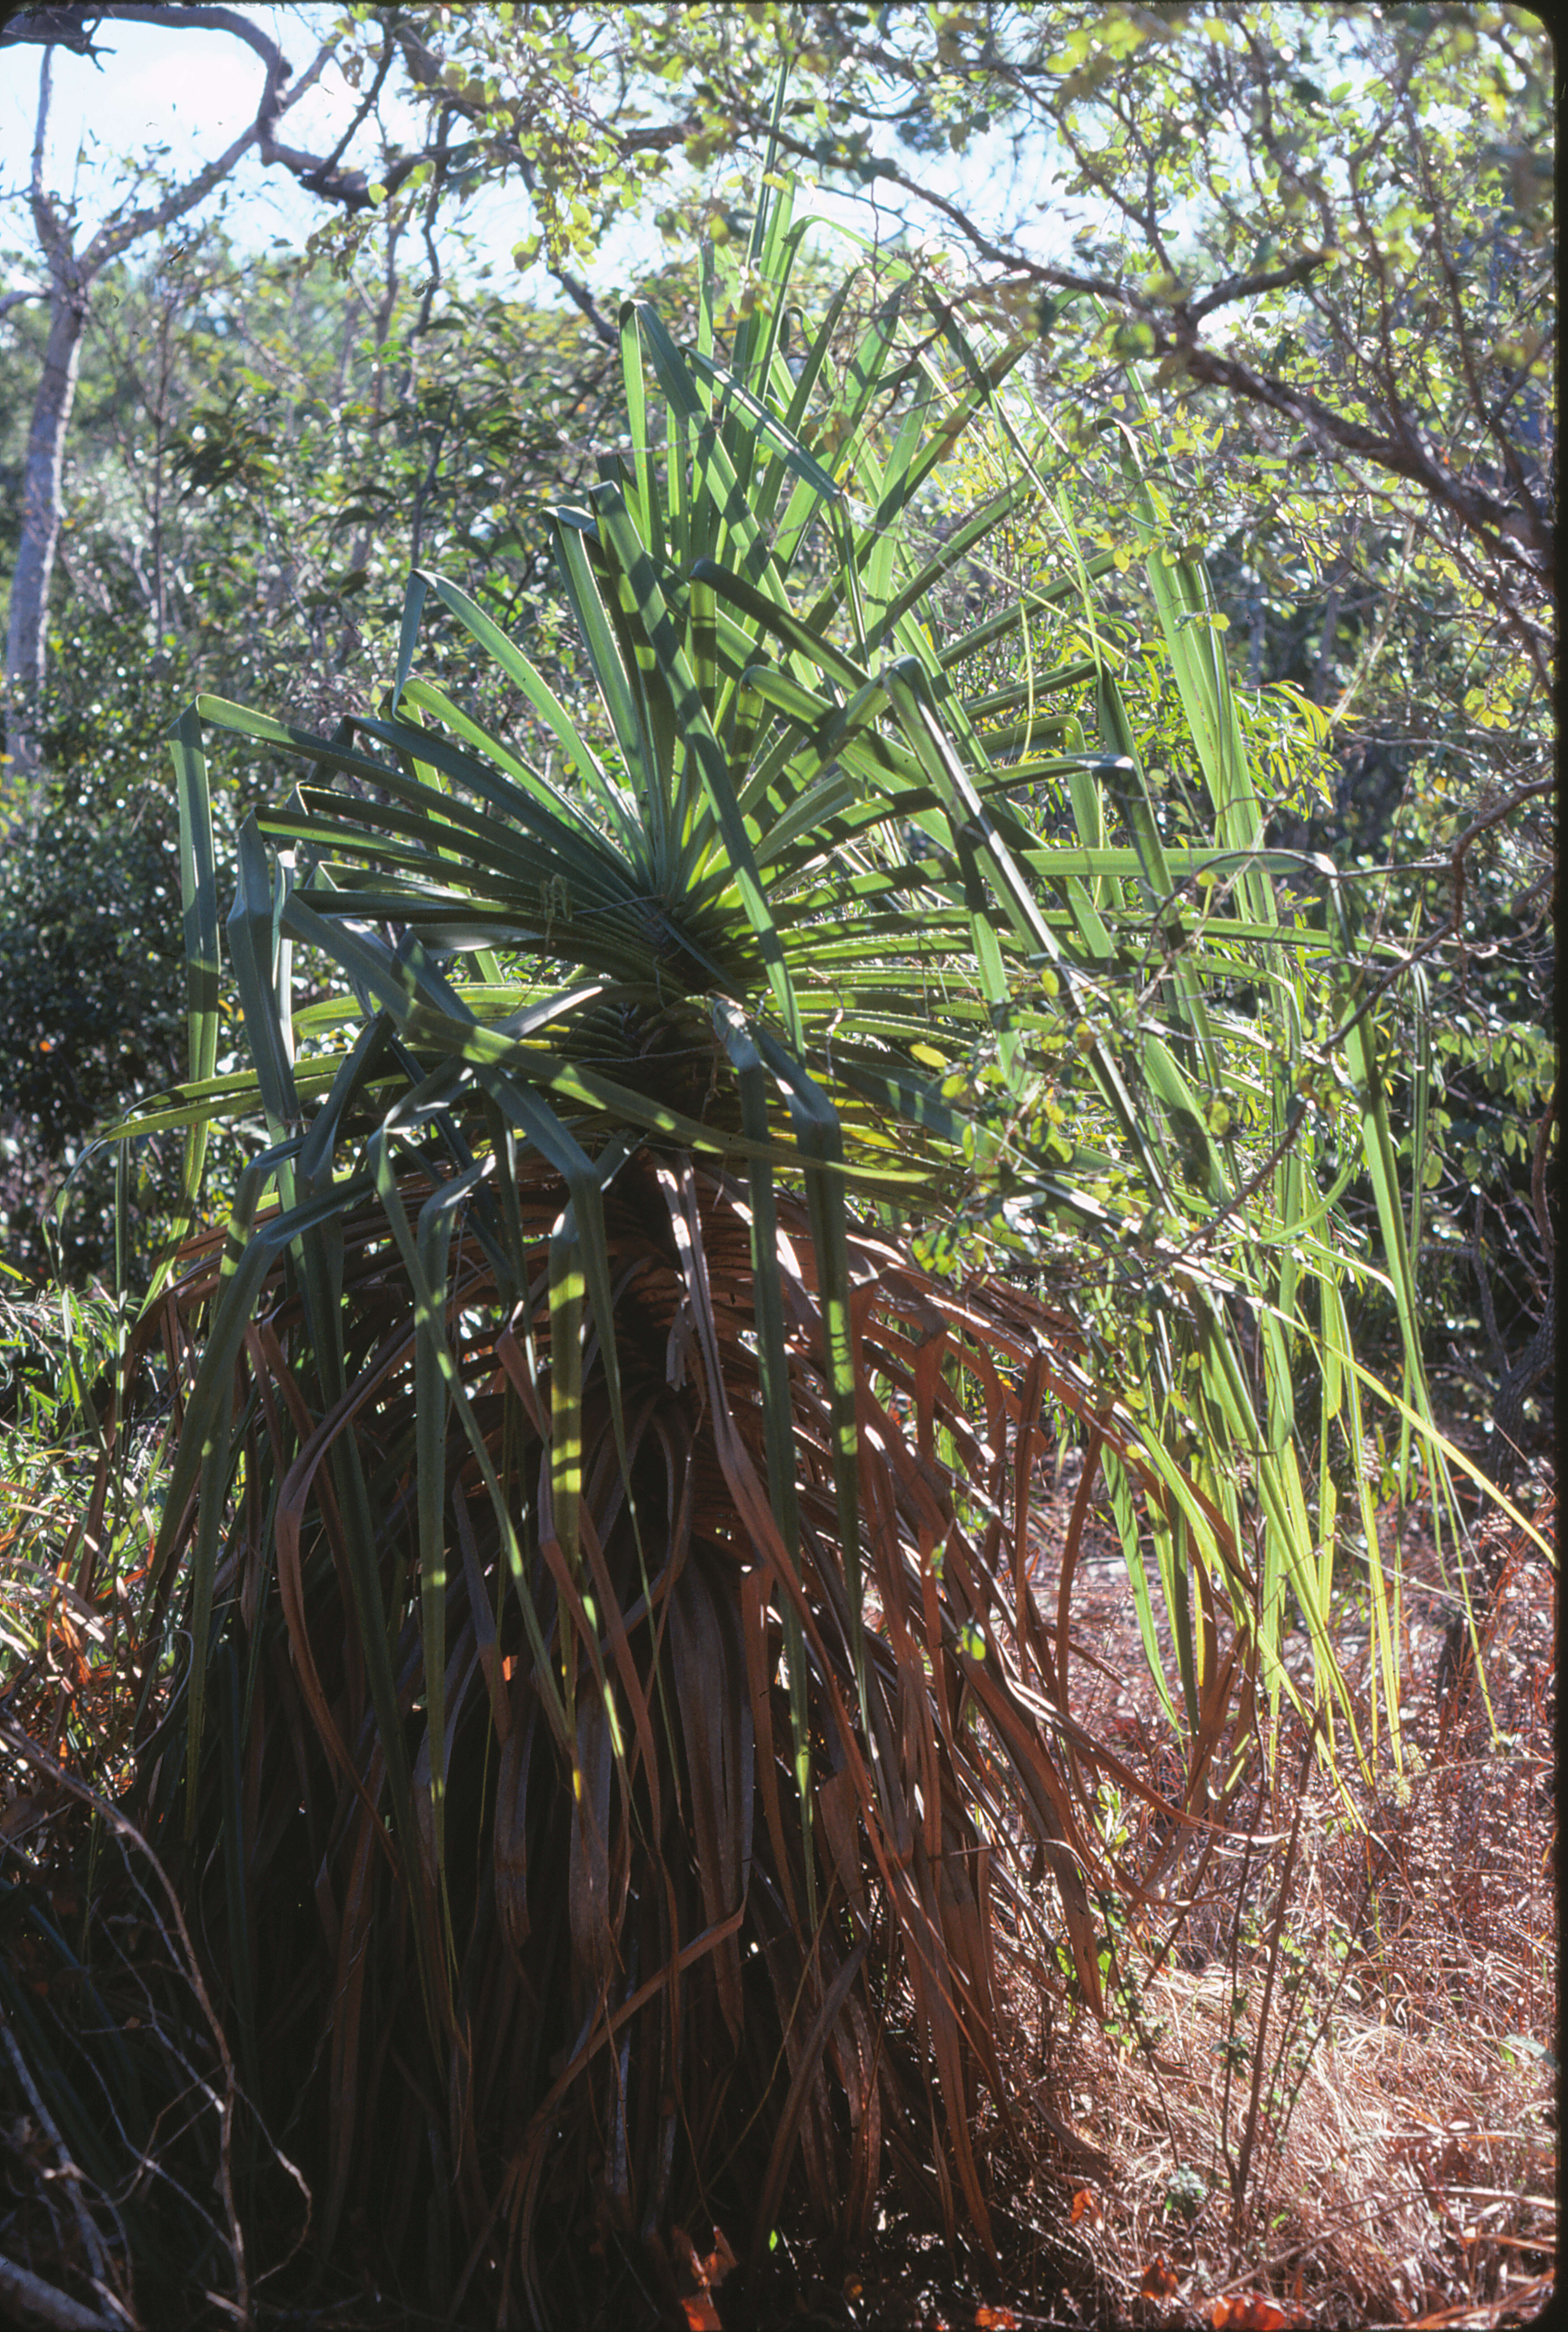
(1506, 532)
(37, 2302)
(1509, 534)
(71, 27)
(117, 235)
(1061, 279)
(51, 234)
(364, 109)
(1497, 815)
(281, 90)
(577, 291)
(92, 2243)
(46, 77)
(62, 28)
(1538, 1184)
(1252, 287)
(29, 1753)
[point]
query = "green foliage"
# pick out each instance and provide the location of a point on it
(88, 965)
(380, 407)
(91, 974)
(584, 1560)
(57, 1353)
(259, 450)
(546, 1352)
(587, 1642)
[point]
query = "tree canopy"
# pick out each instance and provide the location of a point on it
(1319, 243)
(1337, 222)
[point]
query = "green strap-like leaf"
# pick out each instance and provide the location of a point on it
(710, 758)
(251, 928)
(908, 691)
(769, 429)
(199, 903)
(580, 759)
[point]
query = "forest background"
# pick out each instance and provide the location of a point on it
(1351, 379)
(1295, 267)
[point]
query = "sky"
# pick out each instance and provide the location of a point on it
(187, 96)
(191, 95)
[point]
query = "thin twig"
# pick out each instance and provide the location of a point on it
(1506, 809)
(71, 2176)
(25, 291)
(28, 1752)
(1538, 1187)
(1249, 2127)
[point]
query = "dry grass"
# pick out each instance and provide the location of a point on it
(1402, 2163)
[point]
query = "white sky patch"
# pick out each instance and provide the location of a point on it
(170, 100)
(175, 99)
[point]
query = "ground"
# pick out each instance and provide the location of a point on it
(1407, 2172)
(1324, 2094)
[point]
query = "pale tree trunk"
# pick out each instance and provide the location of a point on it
(71, 276)
(43, 481)
(43, 497)
(72, 272)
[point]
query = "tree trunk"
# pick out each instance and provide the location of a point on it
(42, 486)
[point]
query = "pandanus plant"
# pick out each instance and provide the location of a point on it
(611, 1704)
(612, 1708)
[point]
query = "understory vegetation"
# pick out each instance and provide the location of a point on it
(775, 1544)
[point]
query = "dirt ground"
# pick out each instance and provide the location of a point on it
(1399, 2164)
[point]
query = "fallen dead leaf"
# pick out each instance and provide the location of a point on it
(1249, 2311)
(703, 2274)
(720, 2259)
